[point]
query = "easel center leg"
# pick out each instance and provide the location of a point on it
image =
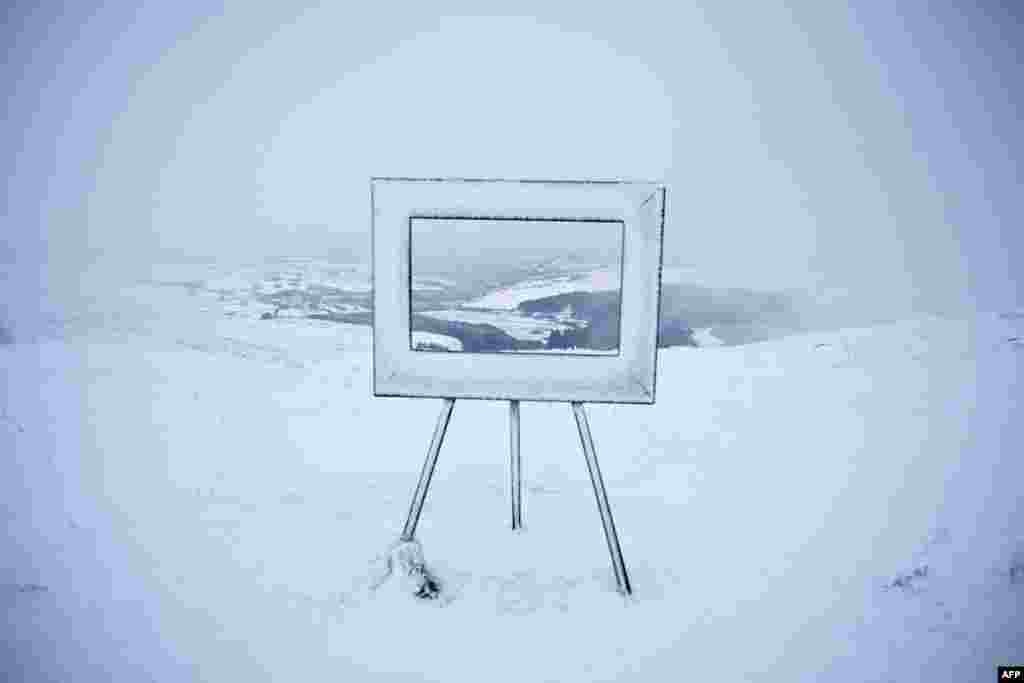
(515, 467)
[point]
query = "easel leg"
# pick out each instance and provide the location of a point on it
(515, 467)
(618, 564)
(428, 471)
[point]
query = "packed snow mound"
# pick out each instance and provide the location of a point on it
(189, 497)
(433, 340)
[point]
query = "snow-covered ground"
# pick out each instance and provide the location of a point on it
(450, 343)
(192, 497)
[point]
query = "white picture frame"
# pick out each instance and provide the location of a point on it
(627, 377)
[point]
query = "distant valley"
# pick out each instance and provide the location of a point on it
(552, 306)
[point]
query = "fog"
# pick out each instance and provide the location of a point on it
(854, 154)
(444, 245)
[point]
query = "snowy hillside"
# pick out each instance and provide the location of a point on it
(188, 496)
(509, 298)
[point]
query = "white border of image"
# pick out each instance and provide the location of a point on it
(628, 377)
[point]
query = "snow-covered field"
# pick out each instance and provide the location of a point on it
(192, 497)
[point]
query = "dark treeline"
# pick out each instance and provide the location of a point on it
(475, 337)
(599, 310)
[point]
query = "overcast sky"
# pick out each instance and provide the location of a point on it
(447, 246)
(806, 145)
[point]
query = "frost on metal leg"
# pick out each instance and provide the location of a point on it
(403, 560)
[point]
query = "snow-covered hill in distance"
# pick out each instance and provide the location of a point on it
(189, 495)
(302, 287)
(513, 305)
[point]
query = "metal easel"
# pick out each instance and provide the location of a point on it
(515, 471)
